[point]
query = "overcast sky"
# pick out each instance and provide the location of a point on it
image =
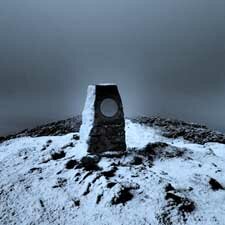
(168, 58)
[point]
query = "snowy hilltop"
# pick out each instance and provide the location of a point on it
(172, 173)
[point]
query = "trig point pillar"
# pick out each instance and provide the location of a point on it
(103, 123)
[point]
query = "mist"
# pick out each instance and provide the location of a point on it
(167, 58)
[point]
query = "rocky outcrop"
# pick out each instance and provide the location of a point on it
(52, 129)
(173, 128)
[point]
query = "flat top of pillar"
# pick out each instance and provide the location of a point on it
(106, 84)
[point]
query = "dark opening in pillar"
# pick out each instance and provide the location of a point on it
(103, 123)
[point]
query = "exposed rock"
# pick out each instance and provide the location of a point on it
(169, 187)
(76, 202)
(41, 203)
(87, 191)
(99, 197)
(215, 185)
(32, 170)
(111, 184)
(58, 155)
(89, 163)
(76, 137)
(161, 150)
(123, 196)
(71, 164)
(177, 200)
(70, 145)
(171, 128)
(52, 129)
(86, 175)
(68, 194)
(193, 132)
(136, 161)
(61, 182)
(110, 173)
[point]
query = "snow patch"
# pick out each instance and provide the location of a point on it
(87, 117)
(36, 191)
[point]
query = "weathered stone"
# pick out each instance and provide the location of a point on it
(103, 124)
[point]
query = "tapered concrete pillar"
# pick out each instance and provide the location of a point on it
(103, 123)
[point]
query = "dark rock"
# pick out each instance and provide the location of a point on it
(151, 148)
(59, 172)
(161, 150)
(187, 206)
(111, 184)
(27, 187)
(39, 170)
(70, 145)
(184, 204)
(41, 203)
(76, 137)
(136, 161)
(169, 187)
(77, 174)
(89, 163)
(71, 164)
(99, 197)
(110, 173)
(86, 175)
(61, 182)
(61, 127)
(46, 160)
(49, 142)
(44, 148)
(173, 128)
(76, 202)
(87, 191)
(2, 139)
(58, 155)
(96, 178)
(123, 196)
(165, 218)
(174, 197)
(215, 185)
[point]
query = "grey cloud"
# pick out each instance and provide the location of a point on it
(166, 56)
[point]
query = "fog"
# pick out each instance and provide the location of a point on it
(167, 57)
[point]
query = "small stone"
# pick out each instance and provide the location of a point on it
(71, 164)
(111, 184)
(215, 185)
(136, 161)
(123, 196)
(76, 137)
(76, 202)
(169, 187)
(58, 155)
(110, 173)
(89, 163)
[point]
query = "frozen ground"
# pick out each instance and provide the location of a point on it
(161, 180)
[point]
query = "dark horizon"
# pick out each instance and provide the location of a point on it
(166, 57)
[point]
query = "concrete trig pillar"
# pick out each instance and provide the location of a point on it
(103, 123)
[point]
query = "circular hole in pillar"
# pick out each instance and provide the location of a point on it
(109, 107)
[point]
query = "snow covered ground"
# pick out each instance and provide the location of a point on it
(50, 180)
